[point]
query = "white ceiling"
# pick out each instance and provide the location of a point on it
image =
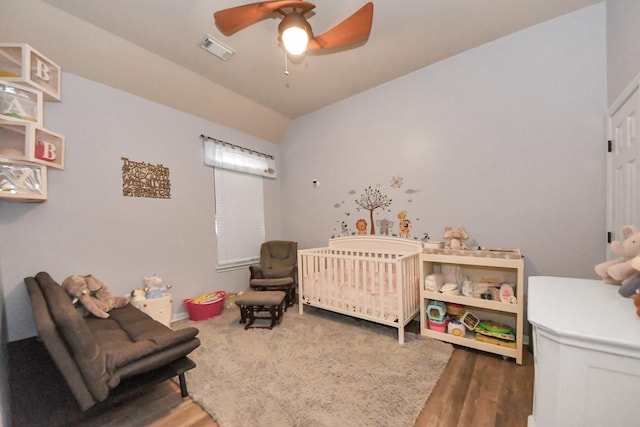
(406, 35)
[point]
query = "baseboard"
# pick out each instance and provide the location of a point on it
(179, 316)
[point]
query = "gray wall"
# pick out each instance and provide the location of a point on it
(623, 48)
(506, 139)
(87, 226)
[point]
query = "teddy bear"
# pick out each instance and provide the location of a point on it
(620, 270)
(93, 295)
(455, 237)
(153, 287)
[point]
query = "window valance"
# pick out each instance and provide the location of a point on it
(224, 155)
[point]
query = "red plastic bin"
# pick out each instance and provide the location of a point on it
(207, 310)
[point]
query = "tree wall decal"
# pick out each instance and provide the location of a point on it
(372, 199)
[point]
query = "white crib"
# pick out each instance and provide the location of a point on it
(374, 278)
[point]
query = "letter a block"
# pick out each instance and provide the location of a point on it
(20, 103)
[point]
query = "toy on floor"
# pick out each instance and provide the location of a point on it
(620, 270)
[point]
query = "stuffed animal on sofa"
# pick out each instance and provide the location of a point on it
(153, 287)
(455, 237)
(102, 294)
(620, 270)
(77, 287)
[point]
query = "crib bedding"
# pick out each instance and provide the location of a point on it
(375, 295)
(371, 277)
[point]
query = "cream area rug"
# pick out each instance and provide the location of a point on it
(319, 369)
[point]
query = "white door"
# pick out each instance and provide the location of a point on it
(623, 199)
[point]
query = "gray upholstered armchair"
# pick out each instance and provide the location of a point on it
(278, 268)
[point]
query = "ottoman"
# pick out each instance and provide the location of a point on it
(253, 302)
(286, 284)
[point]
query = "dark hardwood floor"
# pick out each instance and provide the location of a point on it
(476, 389)
(480, 390)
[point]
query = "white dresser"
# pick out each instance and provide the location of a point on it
(586, 353)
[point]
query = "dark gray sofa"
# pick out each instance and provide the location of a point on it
(94, 355)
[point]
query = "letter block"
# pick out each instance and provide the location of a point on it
(20, 103)
(22, 181)
(19, 62)
(32, 143)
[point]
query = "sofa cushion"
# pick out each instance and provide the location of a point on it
(91, 361)
(129, 335)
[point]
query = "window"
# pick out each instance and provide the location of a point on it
(239, 211)
(239, 218)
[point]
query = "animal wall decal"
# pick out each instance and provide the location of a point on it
(404, 228)
(372, 199)
(378, 204)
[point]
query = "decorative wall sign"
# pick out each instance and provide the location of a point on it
(140, 179)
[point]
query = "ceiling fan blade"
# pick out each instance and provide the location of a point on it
(354, 29)
(234, 19)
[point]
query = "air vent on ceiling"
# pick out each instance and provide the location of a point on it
(216, 47)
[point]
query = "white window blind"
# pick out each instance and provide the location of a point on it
(239, 212)
(239, 218)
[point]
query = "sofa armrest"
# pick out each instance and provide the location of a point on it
(89, 358)
(256, 272)
(56, 346)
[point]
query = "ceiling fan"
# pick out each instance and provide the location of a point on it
(294, 29)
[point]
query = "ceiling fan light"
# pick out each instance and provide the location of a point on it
(295, 40)
(294, 33)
